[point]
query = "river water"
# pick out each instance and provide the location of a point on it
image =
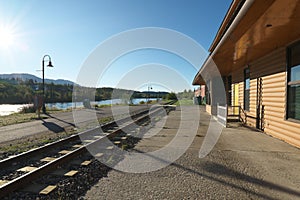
(7, 109)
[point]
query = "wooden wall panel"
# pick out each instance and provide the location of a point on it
(272, 70)
(251, 121)
(208, 109)
(237, 76)
(270, 64)
(273, 73)
(274, 98)
(289, 140)
(241, 94)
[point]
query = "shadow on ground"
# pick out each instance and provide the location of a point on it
(224, 175)
(71, 124)
(53, 127)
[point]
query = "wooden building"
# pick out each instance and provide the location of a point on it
(199, 95)
(257, 51)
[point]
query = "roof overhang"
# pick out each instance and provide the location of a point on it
(258, 28)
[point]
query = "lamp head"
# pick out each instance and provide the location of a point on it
(50, 64)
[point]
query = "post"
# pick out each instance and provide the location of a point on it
(43, 69)
(240, 113)
(149, 87)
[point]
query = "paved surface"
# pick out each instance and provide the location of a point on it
(243, 165)
(58, 122)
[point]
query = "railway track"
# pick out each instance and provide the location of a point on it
(21, 170)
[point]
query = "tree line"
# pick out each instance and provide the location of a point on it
(17, 91)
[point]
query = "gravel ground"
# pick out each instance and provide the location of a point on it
(243, 165)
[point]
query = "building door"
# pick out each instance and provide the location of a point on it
(236, 99)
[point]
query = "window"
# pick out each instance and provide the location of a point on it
(293, 98)
(207, 93)
(229, 97)
(246, 89)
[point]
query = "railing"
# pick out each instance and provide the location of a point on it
(234, 111)
(222, 114)
(237, 112)
(244, 117)
(228, 113)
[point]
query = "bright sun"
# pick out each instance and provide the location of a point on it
(7, 37)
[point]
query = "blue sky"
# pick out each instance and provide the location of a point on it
(69, 30)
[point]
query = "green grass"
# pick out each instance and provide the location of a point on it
(31, 142)
(18, 118)
(24, 145)
(184, 102)
(104, 120)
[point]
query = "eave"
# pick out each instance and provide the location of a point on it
(263, 27)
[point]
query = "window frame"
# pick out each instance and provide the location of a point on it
(229, 87)
(207, 93)
(246, 76)
(290, 83)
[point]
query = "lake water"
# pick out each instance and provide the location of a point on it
(67, 105)
(7, 109)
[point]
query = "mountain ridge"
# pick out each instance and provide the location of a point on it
(26, 76)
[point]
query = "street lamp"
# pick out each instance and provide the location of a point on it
(43, 69)
(149, 88)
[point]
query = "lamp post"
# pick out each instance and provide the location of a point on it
(43, 69)
(149, 88)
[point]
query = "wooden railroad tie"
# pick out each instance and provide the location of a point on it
(47, 190)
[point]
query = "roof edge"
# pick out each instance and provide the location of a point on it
(232, 12)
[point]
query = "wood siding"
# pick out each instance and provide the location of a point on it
(272, 70)
(274, 99)
(208, 109)
(272, 63)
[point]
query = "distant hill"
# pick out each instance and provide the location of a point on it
(24, 77)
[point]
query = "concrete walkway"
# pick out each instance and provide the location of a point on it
(244, 164)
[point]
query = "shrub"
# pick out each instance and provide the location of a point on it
(28, 109)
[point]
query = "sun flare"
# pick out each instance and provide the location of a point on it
(7, 37)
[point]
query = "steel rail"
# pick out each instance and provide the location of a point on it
(28, 154)
(17, 183)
